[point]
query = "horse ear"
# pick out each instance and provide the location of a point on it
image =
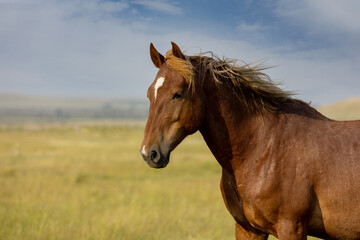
(156, 57)
(176, 51)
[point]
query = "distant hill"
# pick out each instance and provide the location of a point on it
(20, 108)
(348, 109)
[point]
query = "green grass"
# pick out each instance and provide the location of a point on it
(89, 182)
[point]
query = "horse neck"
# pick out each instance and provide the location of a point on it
(228, 129)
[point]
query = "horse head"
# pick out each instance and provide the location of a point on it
(176, 106)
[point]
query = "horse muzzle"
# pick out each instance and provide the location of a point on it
(154, 157)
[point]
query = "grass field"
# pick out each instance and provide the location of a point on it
(88, 181)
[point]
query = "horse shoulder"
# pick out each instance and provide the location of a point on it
(275, 182)
(234, 203)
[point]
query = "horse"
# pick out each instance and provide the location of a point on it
(287, 170)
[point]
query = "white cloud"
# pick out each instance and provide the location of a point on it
(252, 31)
(330, 16)
(255, 27)
(161, 6)
(66, 47)
(12, 1)
(87, 48)
(112, 6)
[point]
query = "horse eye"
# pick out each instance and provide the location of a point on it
(178, 95)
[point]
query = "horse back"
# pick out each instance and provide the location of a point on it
(313, 166)
(327, 154)
(336, 178)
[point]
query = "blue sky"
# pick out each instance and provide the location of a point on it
(100, 48)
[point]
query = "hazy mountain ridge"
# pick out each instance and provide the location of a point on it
(19, 108)
(348, 109)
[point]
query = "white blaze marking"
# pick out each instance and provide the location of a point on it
(143, 151)
(158, 84)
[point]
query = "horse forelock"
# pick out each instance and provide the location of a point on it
(182, 66)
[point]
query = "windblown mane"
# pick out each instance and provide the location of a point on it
(255, 89)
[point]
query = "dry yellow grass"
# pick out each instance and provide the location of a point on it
(89, 182)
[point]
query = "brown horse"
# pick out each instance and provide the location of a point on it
(287, 170)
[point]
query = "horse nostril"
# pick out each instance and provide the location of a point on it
(154, 156)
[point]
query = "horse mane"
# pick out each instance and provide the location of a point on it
(255, 89)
